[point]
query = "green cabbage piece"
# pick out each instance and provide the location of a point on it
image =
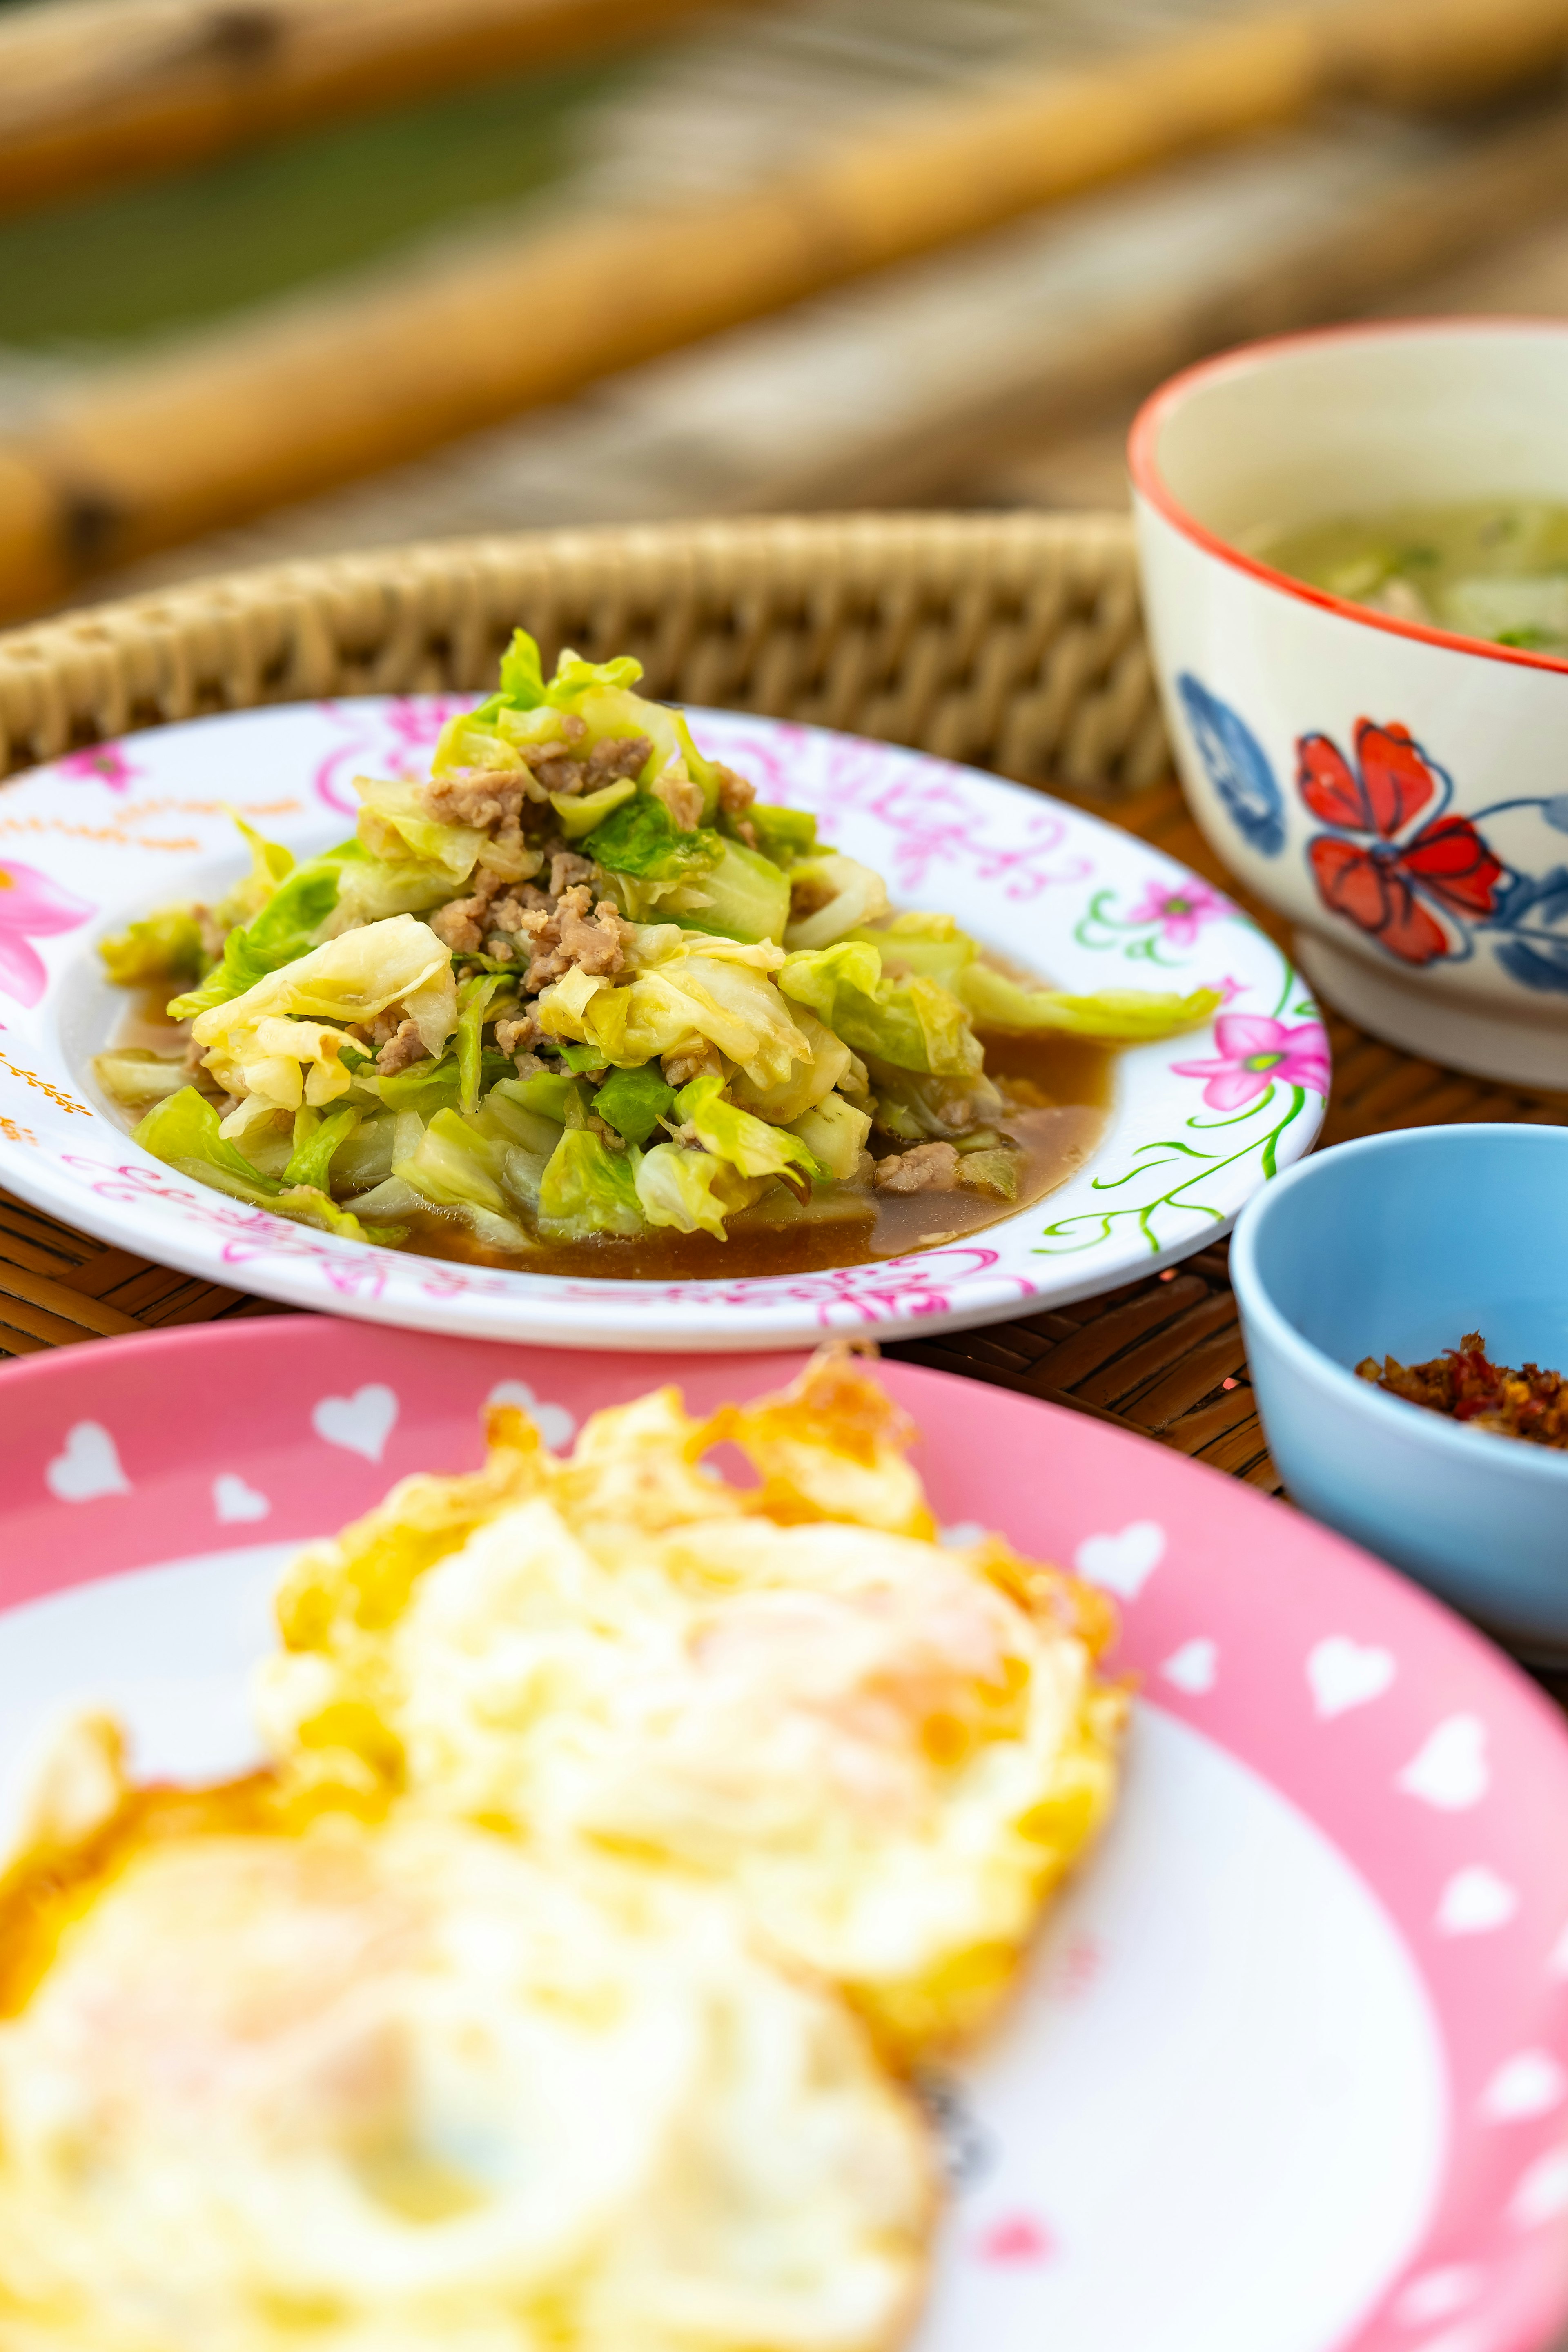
(586, 1188)
(642, 841)
(454, 1166)
(835, 1133)
(162, 947)
(183, 1133)
(1130, 1015)
(784, 834)
(287, 928)
(634, 1101)
(994, 1170)
(509, 1121)
(742, 897)
(930, 945)
(692, 1190)
(580, 811)
(316, 1141)
(549, 1095)
(913, 1023)
(365, 1155)
(269, 864)
(474, 997)
(919, 1109)
(750, 1144)
(522, 672)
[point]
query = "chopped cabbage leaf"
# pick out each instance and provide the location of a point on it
(743, 896)
(634, 1101)
(784, 834)
(930, 945)
(522, 672)
(255, 1042)
(474, 998)
(454, 1165)
(132, 1076)
(749, 1144)
(835, 1133)
(677, 1006)
(316, 1141)
(502, 1117)
(692, 1190)
(183, 1133)
(642, 841)
(394, 825)
(806, 1083)
(586, 1188)
(841, 895)
(913, 1023)
(1131, 1015)
(164, 946)
(287, 929)
(269, 864)
(579, 812)
(364, 1156)
(919, 1109)
(550, 1094)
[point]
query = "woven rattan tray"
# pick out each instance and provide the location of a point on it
(1013, 642)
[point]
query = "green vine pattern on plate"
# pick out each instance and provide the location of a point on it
(1252, 1132)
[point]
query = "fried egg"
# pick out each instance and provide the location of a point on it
(885, 1752)
(274, 2076)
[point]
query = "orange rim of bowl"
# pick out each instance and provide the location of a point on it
(1143, 464)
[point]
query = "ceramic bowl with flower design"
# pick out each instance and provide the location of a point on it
(1194, 1125)
(1399, 791)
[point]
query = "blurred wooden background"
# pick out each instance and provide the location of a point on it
(397, 270)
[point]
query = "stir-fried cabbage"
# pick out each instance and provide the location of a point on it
(580, 987)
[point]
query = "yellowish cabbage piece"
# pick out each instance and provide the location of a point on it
(844, 895)
(1133, 1016)
(701, 990)
(691, 1190)
(835, 1133)
(395, 824)
(264, 1041)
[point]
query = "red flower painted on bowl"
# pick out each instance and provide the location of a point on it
(1396, 883)
(1256, 1051)
(31, 907)
(99, 763)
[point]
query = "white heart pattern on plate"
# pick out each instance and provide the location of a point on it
(1438, 2295)
(87, 1467)
(554, 1423)
(1543, 2191)
(1195, 1667)
(235, 1502)
(1529, 2083)
(361, 1423)
(1122, 1564)
(1449, 1770)
(1474, 1901)
(1343, 1673)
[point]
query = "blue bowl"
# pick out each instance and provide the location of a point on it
(1397, 1245)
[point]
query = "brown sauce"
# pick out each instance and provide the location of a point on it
(1058, 1091)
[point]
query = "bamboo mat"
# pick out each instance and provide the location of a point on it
(1161, 1357)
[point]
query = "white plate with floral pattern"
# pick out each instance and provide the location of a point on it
(1198, 1124)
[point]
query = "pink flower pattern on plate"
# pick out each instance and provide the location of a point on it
(31, 907)
(1180, 910)
(99, 763)
(1256, 1051)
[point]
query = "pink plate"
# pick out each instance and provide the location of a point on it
(1290, 2069)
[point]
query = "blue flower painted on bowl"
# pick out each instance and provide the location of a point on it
(1238, 766)
(1536, 907)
